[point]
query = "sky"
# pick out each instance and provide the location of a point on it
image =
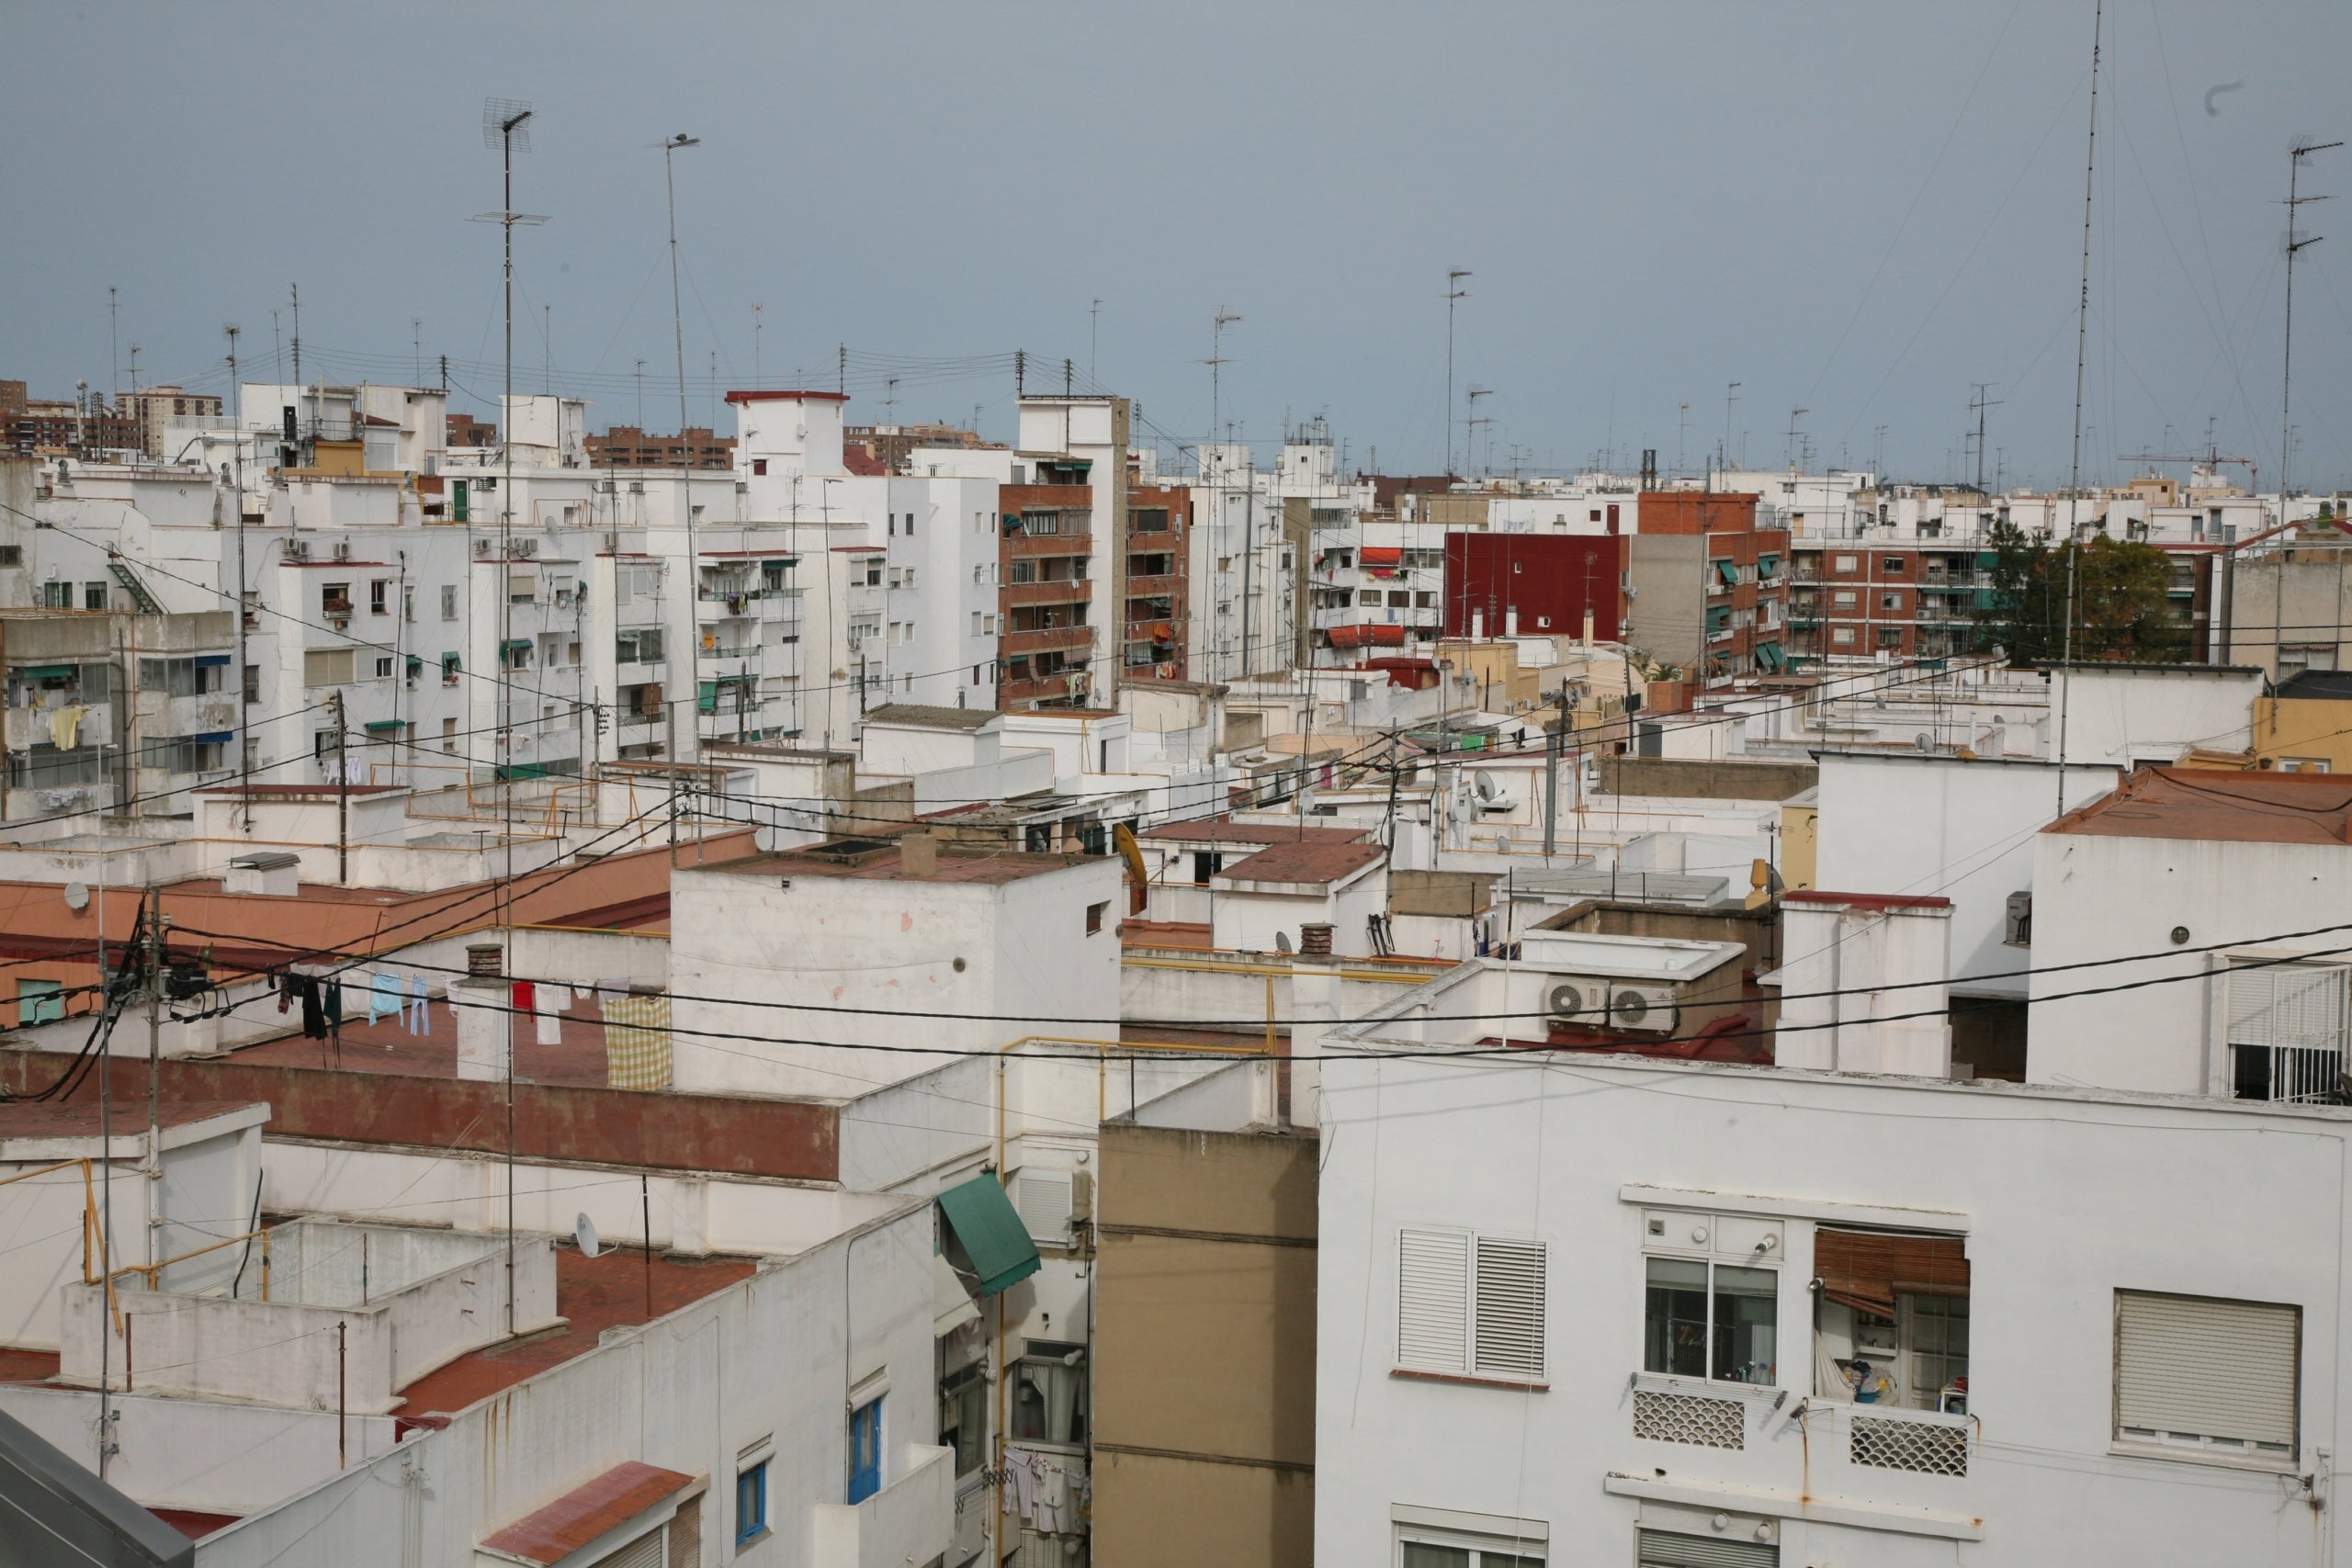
(1859, 211)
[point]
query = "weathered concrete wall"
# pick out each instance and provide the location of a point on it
(1205, 1348)
(1691, 778)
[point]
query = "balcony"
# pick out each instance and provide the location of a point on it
(1156, 587)
(910, 1520)
(1879, 1466)
(1031, 547)
(1048, 639)
(1064, 592)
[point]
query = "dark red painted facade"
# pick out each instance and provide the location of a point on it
(1549, 579)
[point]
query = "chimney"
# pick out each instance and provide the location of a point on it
(917, 855)
(482, 959)
(1314, 938)
(268, 873)
(485, 1027)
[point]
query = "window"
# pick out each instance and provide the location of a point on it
(1705, 1319)
(1889, 601)
(379, 593)
(1890, 637)
(408, 601)
(383, 666)
(1891, 566)
(94, 596)
(1205, 864)
(1470, 1304)
(2287, 1028)
(1094, 919)
(751, 1502)
(642, 647)
(449, 737)
(1049, 1393)
(326, 667)
(864, 1451)
(1845, 563)
(448, 602)
(1417, 1547)
(253, 682)
(39, 1001)
(2206, 1375)
(1890, 1321)
(1844, 598)
(964, 1417)
(334, 598)
(1668, 1549)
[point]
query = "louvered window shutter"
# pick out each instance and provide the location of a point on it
(2290, 1005)
(2194, 1368)
(1509, 1341)
(1432, 1299)
(1663, 1549)
(648, 1551)
(1042, 1200)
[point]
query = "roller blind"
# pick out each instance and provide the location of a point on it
(326, 667)
(1865, 1269)
(1663, 1549)
(1509, 1340)
(650, 1550)
(2194, 1368)
(1043, 1198)
(2295, 1005)
(1432, 1299)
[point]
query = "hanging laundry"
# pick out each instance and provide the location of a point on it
(384, 996)
(550, 1022)
(637, 1042)
(419, 1012)
(331, 1002)
(524, 998)
(284, 991)
(65, 726)
(315, 1016)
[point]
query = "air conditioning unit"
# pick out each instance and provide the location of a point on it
(1647, 1009)
(1578, 1003)
(606, 487)
(343, 549)
(298, 549)
(483, 549)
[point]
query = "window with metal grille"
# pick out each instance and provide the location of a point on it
(2208, 1375)
(1472, 1304)
(2287, 1028)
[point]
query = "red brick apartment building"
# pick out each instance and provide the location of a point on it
(1904, 598)
(1046, 599)
(1159, 520)
(1709, 587)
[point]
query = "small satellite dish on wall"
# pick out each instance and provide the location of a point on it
(583, 1231)
(77, 895)
(1282, 942)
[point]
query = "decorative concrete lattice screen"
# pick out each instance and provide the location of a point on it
(1928, 1448)
(1687, 1418)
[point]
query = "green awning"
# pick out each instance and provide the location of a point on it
(51, 673)
(383, 725)
(1728, 573)
(983, 1227)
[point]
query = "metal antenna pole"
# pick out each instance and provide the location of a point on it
(674, 145)
(245, 698)
(2074, 463)
(1454, 291)
(2287, 367)
(1216, 362)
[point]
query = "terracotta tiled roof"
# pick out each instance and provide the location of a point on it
(580, 1515)
(2219, 806)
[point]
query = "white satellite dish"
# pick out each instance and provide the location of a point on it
(583, 1231)
(77, 895)
(1282, 942)
(1484, 782)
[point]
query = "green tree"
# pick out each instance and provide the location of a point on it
(2122, 603)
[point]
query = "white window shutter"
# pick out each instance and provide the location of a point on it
(1509, 1340)
(1042, 1197)
(2292, 1005)
(2192, 1367)
(1432, 1299)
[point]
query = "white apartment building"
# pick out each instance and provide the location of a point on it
(1582, 1305)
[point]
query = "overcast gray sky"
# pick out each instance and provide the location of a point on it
(1861, 209)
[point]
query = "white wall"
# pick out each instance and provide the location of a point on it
(1920, 825)
(2099, 896)
(2138, 714)
(1549, 1150)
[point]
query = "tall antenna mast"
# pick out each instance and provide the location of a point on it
(237, 456)
(1454, 291)
(1977, 405)
(503, 127)
(1094, 335)
(2074, 463)
(295, 290)
(1216, 362)
(2287, 368)
(670, 148)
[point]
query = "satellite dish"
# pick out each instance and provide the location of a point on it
(1923, 742)
(1502, 843)
(77, 895)
(1484, 782)
(583, 1231)
(1282, 942)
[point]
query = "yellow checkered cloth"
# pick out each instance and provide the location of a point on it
(637, 1042)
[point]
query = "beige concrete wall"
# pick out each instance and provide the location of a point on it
(1205, 1348)
(1668, 618)
(1695, 778)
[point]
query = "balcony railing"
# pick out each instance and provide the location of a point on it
(1154, 587)
(1063, 592)
(1047, 639)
